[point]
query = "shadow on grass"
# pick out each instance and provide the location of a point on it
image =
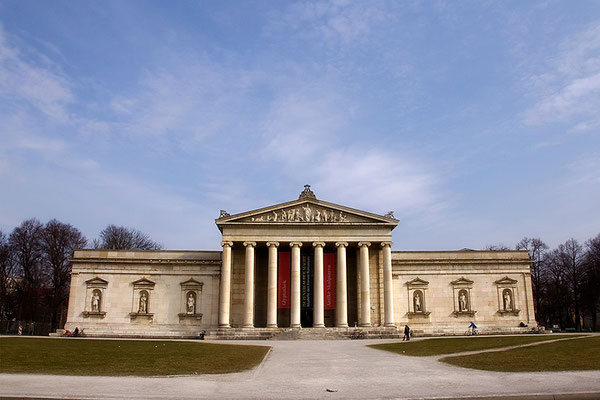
(568, 355)
(124, 357)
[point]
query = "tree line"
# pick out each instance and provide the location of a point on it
(35, 270)
(565, 281)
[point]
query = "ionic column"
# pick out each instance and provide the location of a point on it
(225, 290)
(295, 292)
(365, 291)
(318, 310)
(272, 286)
(388, 291)
(249, 287)
(341, 306)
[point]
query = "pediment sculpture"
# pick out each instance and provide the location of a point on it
(302, 213)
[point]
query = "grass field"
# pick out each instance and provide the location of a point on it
(124, 357)
(440, 346)
(567, 355)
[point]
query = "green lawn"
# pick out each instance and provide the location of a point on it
(439, 346)
(124, 357)
(567, 355)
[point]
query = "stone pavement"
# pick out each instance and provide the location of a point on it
(307, 369)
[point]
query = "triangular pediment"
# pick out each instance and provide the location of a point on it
(96, 281)
(306, 211)
(417, 282)
(505, 281)
(143, 282)
(462, 281)
(191, 283)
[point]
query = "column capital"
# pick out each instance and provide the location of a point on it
(250, 244)
(319, 244)
(295, 244)
(361, 244)
(341, 244)
(274, 244)
(226, 243)
(385, 244)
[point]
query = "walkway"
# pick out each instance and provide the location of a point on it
(307, 369)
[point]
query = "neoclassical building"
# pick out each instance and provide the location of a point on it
(302, 264)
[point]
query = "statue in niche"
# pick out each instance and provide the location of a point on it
(143, 306)
(462, 301)
(507, 300)
(96, 301)
(417, 300)
(191, 304)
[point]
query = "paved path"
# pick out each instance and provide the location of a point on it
(306, 369)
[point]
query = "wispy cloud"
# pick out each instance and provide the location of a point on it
(585, 170)
(43, 88)
(310, 136)
(568, 90)
(334, 22)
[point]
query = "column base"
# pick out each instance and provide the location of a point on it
(390, 325)
(224, 326)
(342, 326)
(272, 326)
(364, 325)
(319, 326)
(296, 326)
(251, 326)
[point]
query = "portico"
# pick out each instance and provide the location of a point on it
(314, 235)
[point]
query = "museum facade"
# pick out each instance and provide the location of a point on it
(306, 263)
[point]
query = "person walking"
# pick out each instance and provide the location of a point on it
(406, 333)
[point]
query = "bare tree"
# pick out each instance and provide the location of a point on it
(571, 258)
(537, 251)
(496, 247)
(121, 238)
(7, 268)
(592, 280)
(58, 240)
(25, 245)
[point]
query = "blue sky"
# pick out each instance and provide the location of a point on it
(476, 122)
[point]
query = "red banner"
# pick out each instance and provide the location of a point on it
(283, 287)
(329, 280)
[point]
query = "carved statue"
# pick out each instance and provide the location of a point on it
(343, 217)
(390, 214)
(307, 193)
(299, 216)
(143, 307)
(507, 300)
(191, 304)
(96, 301)
(283, 216)
(307, 213)
(291, 214)
(462, 302)
(317, 217)
(223, 214)
(418, 307)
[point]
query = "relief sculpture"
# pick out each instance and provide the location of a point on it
(304, 213)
